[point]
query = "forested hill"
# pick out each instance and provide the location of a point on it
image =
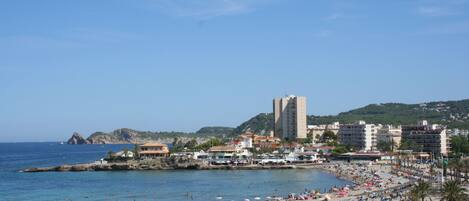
(454, 114)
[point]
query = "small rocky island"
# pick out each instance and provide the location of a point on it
(77, 139)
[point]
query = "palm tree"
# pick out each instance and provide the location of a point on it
(452, 191)
(413, 195)
(457, 166)
(465, 164)
(136, 148)
(420, 191)
(110, 155)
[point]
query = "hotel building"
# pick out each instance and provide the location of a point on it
(290, 117)
(427, 138)
(360, 135)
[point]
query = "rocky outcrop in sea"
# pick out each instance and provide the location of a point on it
(77, 139)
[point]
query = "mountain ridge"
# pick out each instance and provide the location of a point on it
(131, 136)
(454, 114)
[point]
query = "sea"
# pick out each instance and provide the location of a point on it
(171, 185)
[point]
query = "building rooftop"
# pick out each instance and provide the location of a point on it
(153, 144)
(223, 148)
(165, 151)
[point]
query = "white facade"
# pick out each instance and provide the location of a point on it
(428, 138)
(458, 132)
(290, 117)
(390, 134)
(245, 143)
(360, 135)
(316, 131)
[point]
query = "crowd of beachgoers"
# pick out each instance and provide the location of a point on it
(371, 182)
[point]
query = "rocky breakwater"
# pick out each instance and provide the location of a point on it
(170, 163)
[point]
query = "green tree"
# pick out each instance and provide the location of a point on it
(328, 136)
(465, 164)
(126, 152)
(191, 144)
(210, 143)
(341, 149)
(408, 145)
(459, 145)
(452, 191)
(384, 146)
(317, 138)
(456, 165)
(414, 195)
(178, 145)
(421, 190)
(110, 155)
(136, 151)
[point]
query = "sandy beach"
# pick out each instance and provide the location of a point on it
(371, 182)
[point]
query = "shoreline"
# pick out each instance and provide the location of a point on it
(88, 167)
(369, 180)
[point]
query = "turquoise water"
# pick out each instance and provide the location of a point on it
(137, 185)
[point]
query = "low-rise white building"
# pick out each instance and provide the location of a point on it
(245, 141)
(316, 131)
(390, 134)
(124, 154)
(228, 153)
(458, 132)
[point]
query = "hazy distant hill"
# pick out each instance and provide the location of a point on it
(130, 136)
(454, 114)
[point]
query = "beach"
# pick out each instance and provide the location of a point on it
(371, 181)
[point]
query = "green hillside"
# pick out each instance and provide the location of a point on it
(261, 123)
(454, 114)
(215, 130)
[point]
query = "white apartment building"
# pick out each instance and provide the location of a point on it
(360, 135)
(427, 138)
(290, 117)
(458, 132)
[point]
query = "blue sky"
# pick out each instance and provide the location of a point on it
(179, 65)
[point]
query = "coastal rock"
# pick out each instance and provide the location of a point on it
(130, 136)
(104, 138)
(77, 139)
(155, 164)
